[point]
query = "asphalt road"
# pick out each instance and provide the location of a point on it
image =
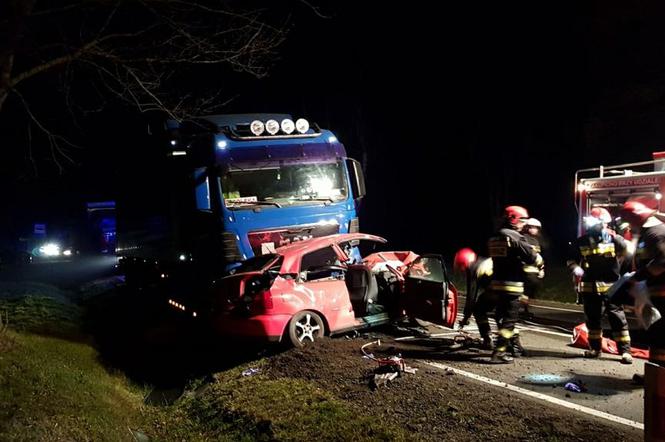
(552, 363)
(64, 274)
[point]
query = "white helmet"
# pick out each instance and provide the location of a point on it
(533, 222)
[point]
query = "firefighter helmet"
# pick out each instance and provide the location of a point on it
(602, 214)
(636, 212)
(533, 222)
(515, 214)
(463, 259)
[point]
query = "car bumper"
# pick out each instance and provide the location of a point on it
(259, 327)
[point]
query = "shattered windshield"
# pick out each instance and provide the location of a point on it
(284, 184)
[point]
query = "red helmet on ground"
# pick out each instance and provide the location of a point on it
(515, 214)
(601, 213)
(463, 259)
(636, 212)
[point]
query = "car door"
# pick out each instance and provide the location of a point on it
(428, 294)
(322, 277)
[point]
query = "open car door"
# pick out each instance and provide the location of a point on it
(428, 294)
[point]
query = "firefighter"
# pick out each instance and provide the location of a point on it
(594, 262)
(534, 274)
(509, 252)
(650, 267)
(477, 272)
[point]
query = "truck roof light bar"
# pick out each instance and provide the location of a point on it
(271, 129)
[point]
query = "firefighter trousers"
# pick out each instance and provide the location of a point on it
(485, 303)
(532, 285)
(506, 306)
(595, 305)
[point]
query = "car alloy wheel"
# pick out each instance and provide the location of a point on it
(305, 327)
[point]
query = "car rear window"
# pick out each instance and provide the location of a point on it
(255, 264)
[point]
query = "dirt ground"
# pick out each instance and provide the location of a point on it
(433, 404)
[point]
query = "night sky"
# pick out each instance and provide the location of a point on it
(454, 112)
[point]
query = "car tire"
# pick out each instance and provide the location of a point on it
(305, 328)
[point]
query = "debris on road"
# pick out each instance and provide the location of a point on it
(389, 367)
(576, 387)
(382, 379)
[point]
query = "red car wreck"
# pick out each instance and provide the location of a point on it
(323, 287)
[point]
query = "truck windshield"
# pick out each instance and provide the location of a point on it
(284, 184)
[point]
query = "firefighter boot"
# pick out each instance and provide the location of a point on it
(626, 358)
(500, 357)
(488, 343)
(592, 354)
(595, 344)
(516, 348)
(622, 338)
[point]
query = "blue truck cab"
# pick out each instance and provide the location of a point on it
(230, 187)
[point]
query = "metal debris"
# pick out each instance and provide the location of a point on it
(389, 367)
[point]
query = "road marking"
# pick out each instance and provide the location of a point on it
(534, 305)
(550, 399)
(542, 330)
(472, 328)
(556, 308)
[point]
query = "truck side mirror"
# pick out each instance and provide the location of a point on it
(357, 178)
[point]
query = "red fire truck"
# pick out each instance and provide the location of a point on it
(611, 186)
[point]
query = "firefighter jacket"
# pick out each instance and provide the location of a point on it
(478, 279)
(597, 252)
(510, 252)
(535, 244)
(651, 252)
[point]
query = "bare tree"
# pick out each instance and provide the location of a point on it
(138, 51)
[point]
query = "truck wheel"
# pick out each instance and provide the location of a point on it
(304, 328)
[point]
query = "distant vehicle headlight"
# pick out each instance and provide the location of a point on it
(67, 252)
(50, 249)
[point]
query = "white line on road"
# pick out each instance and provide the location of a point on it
(542, 330)
(556, 308)
(534, 305)
(471, 328)
(550, 399)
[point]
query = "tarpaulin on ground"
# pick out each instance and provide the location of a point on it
(580, 339)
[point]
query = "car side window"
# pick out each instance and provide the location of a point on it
(313, 262)
(428, 269)
(318, 258)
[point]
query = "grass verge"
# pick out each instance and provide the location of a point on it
(54, 387)
(260, 408)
